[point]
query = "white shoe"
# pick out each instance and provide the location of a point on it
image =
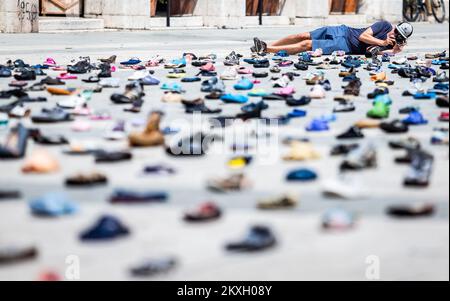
(400, 61)
(72, 102)
(109, 83)
(343, 188)
(229, 74)
(139, 75)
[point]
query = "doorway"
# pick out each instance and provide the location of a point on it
(62, 8)
(344, 7)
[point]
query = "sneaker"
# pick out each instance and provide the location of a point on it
(259, 238)
(107, 228)
(282, 202)
(360, 158)
(352, 133)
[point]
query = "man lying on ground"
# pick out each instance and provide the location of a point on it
(382, 37)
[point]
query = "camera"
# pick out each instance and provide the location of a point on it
(399, 39)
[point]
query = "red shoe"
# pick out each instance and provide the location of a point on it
(205, 212)
(208, 67)
(444, 117)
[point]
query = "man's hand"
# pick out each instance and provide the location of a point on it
(388, 42)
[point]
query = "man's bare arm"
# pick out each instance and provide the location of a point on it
(368, 38)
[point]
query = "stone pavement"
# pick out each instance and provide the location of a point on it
(408, 250)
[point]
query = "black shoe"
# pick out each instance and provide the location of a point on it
(38, 138)
(394, 127)
(421, 169)
(105, 71)
(9, 194)
(408, 144)
(260, 74)
(301, 66)
(264, 64)
(82, 67)
(442, 102)
(302, 101)
(377, 92)
(15, 146)
(343, 149)
(111, 157)
(260, 46)
(258, 238)
(49, 81)
(133, 91)
(52, 116)
(26, 74)
(352, 133)
(404, 211)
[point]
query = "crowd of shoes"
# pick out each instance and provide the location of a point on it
(429, 85)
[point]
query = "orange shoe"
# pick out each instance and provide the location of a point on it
(60, 91)
(379, 77)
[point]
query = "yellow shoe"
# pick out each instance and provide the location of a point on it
(301, 151)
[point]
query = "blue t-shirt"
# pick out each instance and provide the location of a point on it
(380, 31)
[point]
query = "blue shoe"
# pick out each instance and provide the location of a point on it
(131, 62)
(191, 79)
(234, 98)
(53, 204)
(394, 67)
(317, 125)
(179, 62)
(386, 99)
(439, 62)
(441, 86)
(296, 113)
(328, 118)
(302, 175)
(107, 228)
(244, 84)
(350, 78)
(256, 61)
(282, 53)
(173, 87)
(130, 197)
(255, 106)
(428, 95)
(415, 118)
(149, 81)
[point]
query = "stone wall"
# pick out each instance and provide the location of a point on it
(19, 16)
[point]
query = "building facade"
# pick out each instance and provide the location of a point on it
(50, 15)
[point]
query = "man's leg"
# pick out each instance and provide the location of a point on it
(292, 49)
(293, 39)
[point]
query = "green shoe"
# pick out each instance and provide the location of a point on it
(380, 110)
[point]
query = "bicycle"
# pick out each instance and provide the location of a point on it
(412, 9)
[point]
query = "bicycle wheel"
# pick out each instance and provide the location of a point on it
(438, 7)
(411, 10)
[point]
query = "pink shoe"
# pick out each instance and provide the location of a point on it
(208, 67)
(59, 68)
(82, 111)
(113, 68)
(66, 76)
(317, 92)
(100, 116)
(50, 62)
(317, 53)
(285, 91)
(244, 70)
(81, 126)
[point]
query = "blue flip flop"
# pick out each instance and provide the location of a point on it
(107, 228)
(234, 98)
(53, 205)
(415, 118)
(302, 175)
(244, 84)
(317, 125)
